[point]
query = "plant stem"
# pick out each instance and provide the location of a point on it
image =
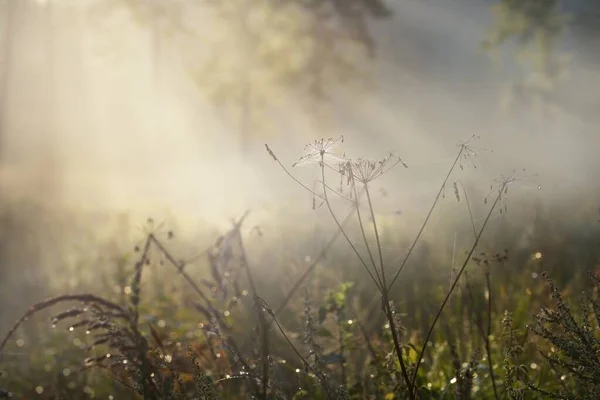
(386, 301)
(313, 264)
(262, 322)
(364, 235)
(460, 272)
(376, 236)
(341, 228)
(488, 347)
(412, 246)
(390, 317)
(317, 373)
(479, 324)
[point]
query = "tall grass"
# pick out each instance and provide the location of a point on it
(220, 336)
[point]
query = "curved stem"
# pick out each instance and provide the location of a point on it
(82, 298)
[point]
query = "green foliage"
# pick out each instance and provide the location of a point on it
(535, 27)
(202, 358)
(213, 336)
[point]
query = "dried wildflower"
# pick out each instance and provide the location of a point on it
(321, 151)
(501, 185)
(469, 152)
(365, 171)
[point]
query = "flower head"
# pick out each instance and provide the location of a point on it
(469, 152)
(500, 185)
(320, 151)
(365, 171)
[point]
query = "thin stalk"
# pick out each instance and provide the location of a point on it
(364, 235)
(390, 317)
(412, 246)
(342, 344)
(264, 327)
(469, 208)
(310, 269)
(179, 266)
(376, 235)
(460, 272)
(386, 302)
(488, 348)
(276, 159)
(326, 198)
(484, 336)
(317, 373)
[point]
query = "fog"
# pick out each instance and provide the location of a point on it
(101, 114)
(94, 117)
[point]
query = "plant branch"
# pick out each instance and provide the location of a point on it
(82, 298)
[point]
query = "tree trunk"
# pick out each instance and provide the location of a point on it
(6, 66)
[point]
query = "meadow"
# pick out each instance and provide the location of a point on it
(354, 304)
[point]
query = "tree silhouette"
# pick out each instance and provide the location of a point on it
(253, 58)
